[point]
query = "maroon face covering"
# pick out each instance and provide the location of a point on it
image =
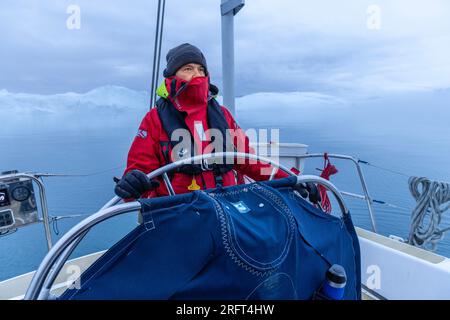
(190, 97)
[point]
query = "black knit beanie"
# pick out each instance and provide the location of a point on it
(181, 55)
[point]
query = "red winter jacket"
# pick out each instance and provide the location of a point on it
(145, 153)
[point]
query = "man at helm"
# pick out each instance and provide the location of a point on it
(186, 101)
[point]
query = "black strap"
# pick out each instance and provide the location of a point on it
(165, 149)
(172, 119)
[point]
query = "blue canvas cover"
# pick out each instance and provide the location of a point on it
(253, 241)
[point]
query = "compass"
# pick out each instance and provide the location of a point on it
(20, 193)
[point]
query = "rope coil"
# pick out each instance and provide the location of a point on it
(433, 199)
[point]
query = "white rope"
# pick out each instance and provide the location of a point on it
(433, 199)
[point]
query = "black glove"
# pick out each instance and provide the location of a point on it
(134, 184)
(310, 190)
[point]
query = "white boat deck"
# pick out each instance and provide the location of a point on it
(389, 269)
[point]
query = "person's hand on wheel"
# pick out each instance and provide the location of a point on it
(134, 184)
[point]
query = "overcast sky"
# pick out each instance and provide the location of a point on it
(329, 46)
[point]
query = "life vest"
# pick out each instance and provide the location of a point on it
(172, 119)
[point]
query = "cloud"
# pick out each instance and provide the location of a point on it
(326, 46)
(290, 45)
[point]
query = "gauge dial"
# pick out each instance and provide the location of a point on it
(20, 193)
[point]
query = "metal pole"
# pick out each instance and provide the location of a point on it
(45, 292)
(161, 29)
(73, 234)
(157, 50)
(228, 61)
(45, 217)
(229, 8)
(361, 179)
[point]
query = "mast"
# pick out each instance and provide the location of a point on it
(228, 9)
(157, 50)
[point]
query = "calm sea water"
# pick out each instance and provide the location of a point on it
(410, 140)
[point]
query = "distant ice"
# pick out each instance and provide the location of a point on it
(118, 106)
(114, 106)
(108, 105)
